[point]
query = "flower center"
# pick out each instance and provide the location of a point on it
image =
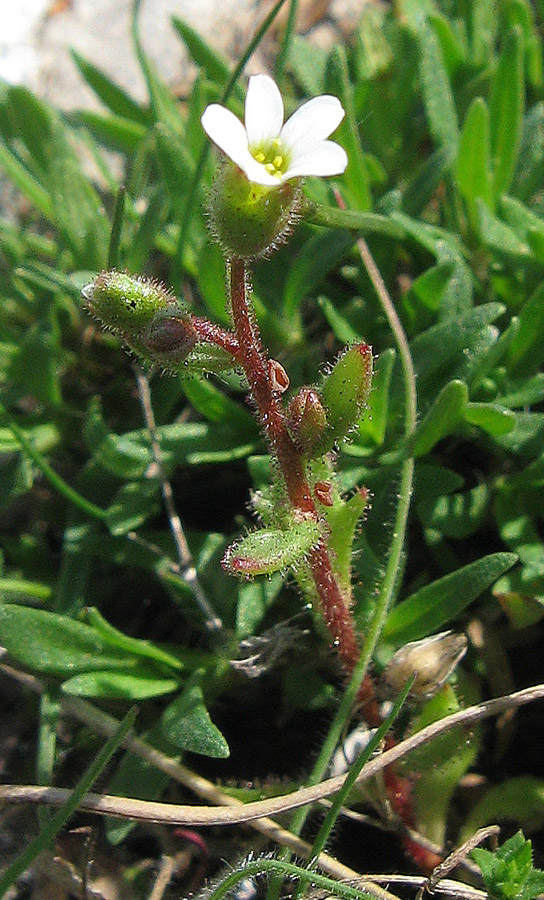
(272, 159)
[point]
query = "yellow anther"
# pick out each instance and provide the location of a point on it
(278, 162)
(270, 167)
(260, 157)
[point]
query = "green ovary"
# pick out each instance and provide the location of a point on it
(249, 219)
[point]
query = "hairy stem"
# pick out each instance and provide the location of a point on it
(270, 413)
(210, 333)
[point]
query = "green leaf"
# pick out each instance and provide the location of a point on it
(318, 256)
(422, 302)
(490, 417)
(216, 68)
(163, 104)
(527, 393)
(473, 161)
(353, 220)
(128, 455)
(33, 123)
(78, 210)
(437, 767)
(530, 164)
(34, 368)
(481, 26)
(374, 54)
(518, 799)
(28, 185)
(254, 600)
(443, 349)
(438, 603)
(342, 329)
(119, 686)
(356, 176)
(175, 165)
(374, 421)
(443, 417)
(454, 50)
(508, 872)
(424, 183)
(186, 723)
(457, 515)
(133, 504)
(308, 63)
(263, 552)
(216, 406)
(499, 237)
(506, 110)
(113, 131)
(57, 645)
(520, 218)
(343, 518)
(527, 435)
(211, 281)
(436, 89)
(115, 98)
(132, 645)
(526, 351)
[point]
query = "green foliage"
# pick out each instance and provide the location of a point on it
(444, 131)
(509, 871)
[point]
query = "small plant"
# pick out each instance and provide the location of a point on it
(509, 873)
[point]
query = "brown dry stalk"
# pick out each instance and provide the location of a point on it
(231, 812)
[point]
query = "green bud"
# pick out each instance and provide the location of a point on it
(306, 420)
(263, 552)
(344, 394)
(126, 303)
(167, 340)
(248, 219)
(145, 314)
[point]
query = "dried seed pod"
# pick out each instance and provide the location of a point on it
(432, 660)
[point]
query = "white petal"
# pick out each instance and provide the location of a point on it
(228, 133)
(225, 130)
(325, 158)
(314, 121)
(263, 110)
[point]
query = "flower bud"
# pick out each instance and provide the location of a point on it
(345, 392)
(432, 660)
(265, 551)
(249, 219)
(306, 419)
(145, 314)
(168, 339)
(126, 303)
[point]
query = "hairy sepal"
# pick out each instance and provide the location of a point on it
(249, 220)
(266, 551)
(145, 314)
(344, 394)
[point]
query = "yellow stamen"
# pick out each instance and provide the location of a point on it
(260, 157)
(278, 162)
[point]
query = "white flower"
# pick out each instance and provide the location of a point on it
(270, 152)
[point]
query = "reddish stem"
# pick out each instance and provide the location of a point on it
(209, 333)
(256, 366)
(335, 609)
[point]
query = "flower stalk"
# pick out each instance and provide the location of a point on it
(256, 365)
